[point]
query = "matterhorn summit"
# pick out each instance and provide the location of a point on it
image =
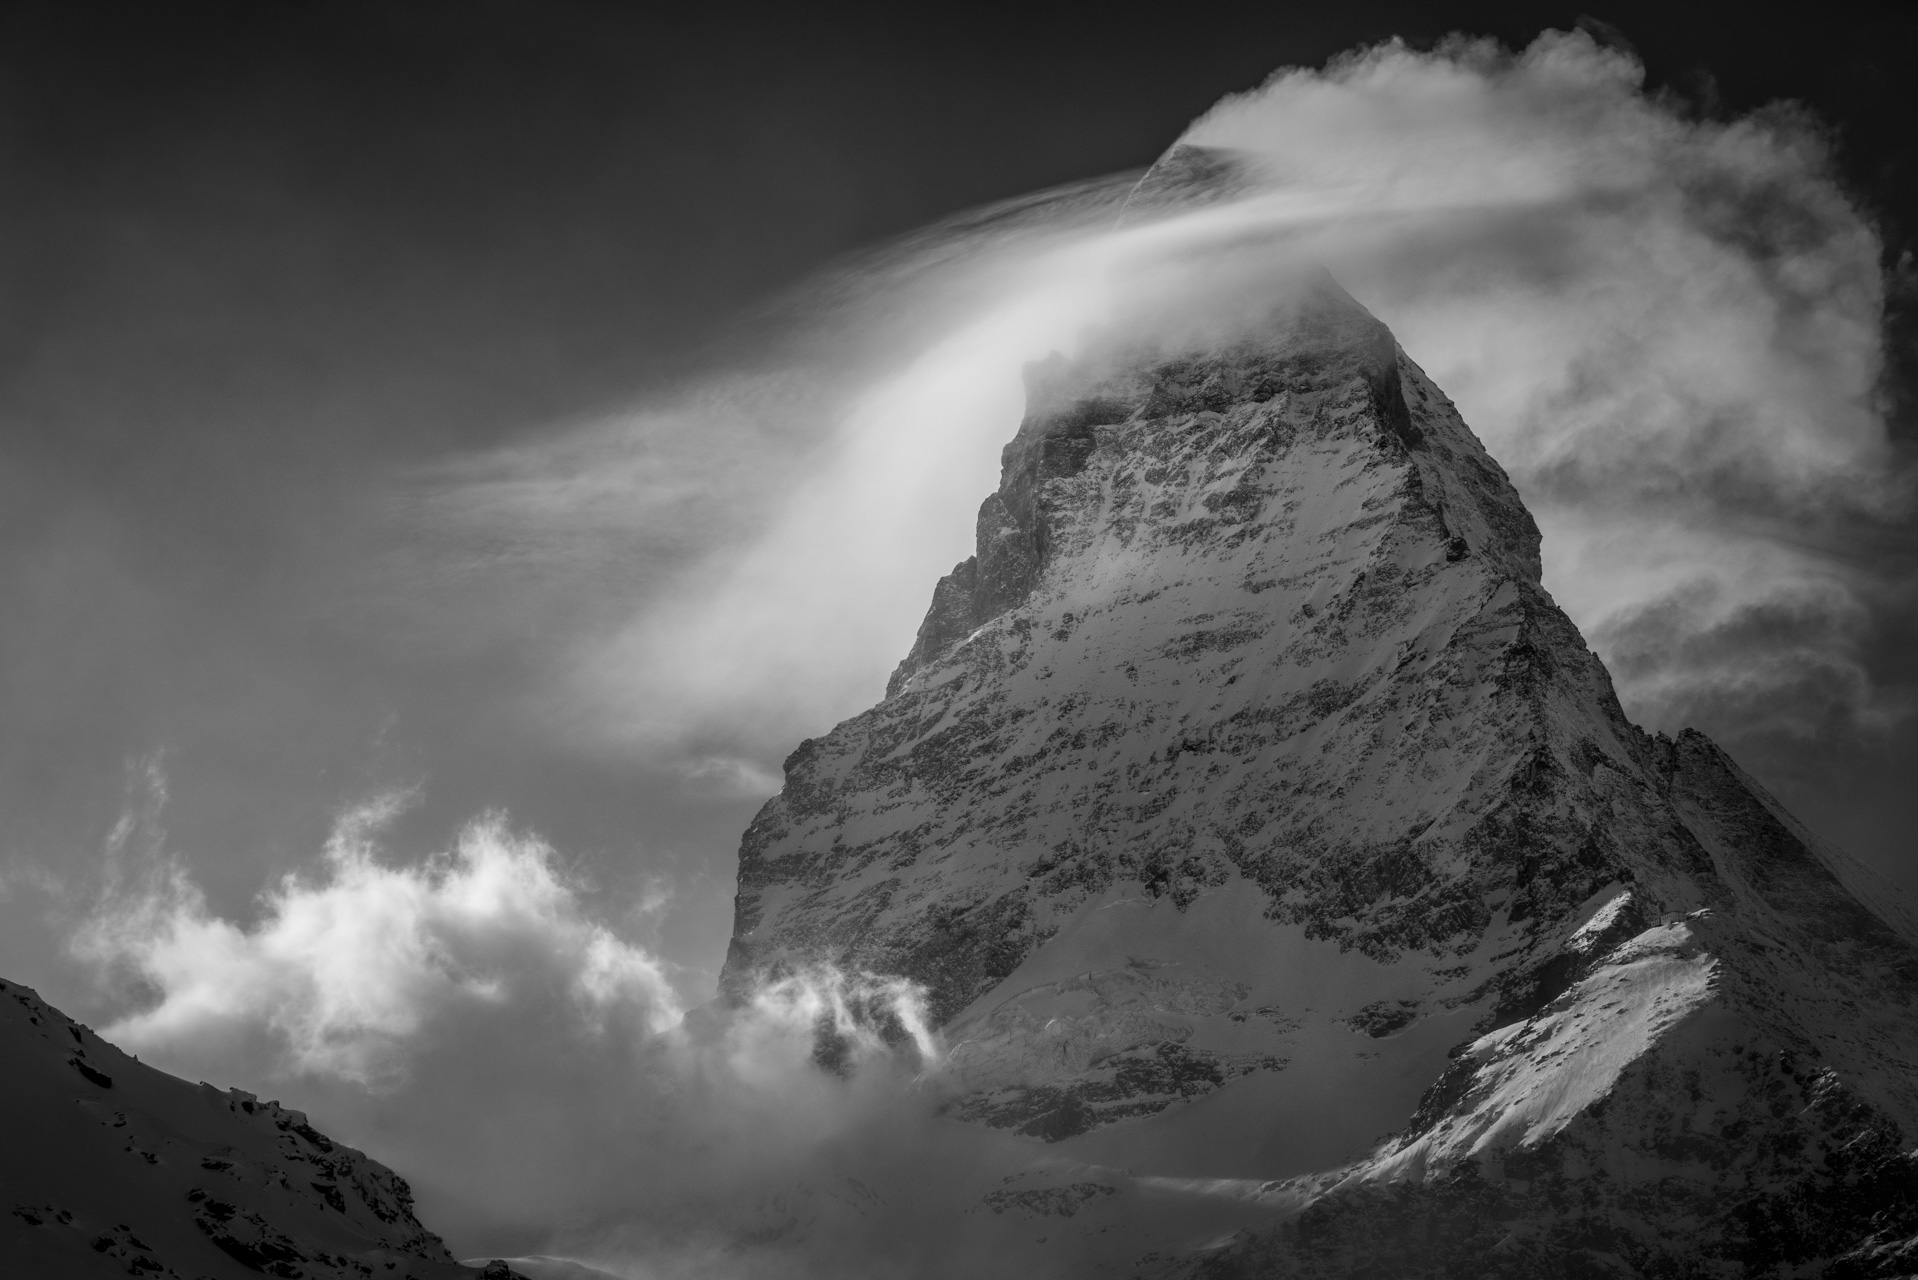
(1264, 835)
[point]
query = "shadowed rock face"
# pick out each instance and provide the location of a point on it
(111, 1168)
(1246, 796)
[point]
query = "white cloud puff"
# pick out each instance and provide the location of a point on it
(470, 1020)
(343, 970)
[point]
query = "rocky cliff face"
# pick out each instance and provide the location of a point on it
(111, 1168)
(1246, 798)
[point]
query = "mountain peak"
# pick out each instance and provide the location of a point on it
(1317, 341)
(1187, 176)
(1246, 796)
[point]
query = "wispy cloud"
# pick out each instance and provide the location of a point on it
(1668, 330)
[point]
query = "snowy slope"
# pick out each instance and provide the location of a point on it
(1260, 828)
(111, 1168)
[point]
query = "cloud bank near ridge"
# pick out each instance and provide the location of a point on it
(1668, 329)
(475, 1021)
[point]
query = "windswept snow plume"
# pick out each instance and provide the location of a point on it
(1667, 329)
(772, 524)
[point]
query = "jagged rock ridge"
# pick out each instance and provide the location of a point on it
(1246, 796)
(109, 1167)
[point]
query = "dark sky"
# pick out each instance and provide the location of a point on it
(254, 258)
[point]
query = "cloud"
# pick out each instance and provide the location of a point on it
(771, 523)
(471, 1020)
(342, 971)
(1668, 329)
(732, 775)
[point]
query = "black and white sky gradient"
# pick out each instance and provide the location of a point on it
(498, 432)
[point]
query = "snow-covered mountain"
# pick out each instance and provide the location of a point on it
(109, 1167)
(1267, 839)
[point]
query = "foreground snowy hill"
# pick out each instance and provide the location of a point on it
(1265, 836)
(111, 1168)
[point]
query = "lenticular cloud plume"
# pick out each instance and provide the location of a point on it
(1668, 330)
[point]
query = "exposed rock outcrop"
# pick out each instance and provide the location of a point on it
(109, 1167)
